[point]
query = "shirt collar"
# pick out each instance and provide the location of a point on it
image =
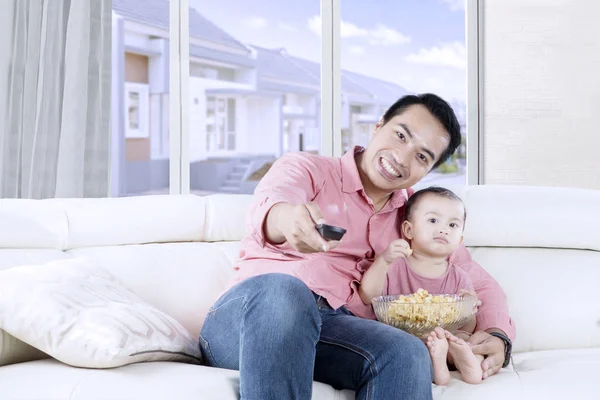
(351, 179)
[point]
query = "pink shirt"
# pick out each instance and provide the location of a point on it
(334, 184)
(402, 279)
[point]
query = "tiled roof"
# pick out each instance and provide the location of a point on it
(156, 13)
(276, 64)
(278, 70)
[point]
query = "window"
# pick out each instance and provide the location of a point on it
(140, 69)
(254, 85)
(255, 89)
(220, 125)
(388, 51)
(136, 110)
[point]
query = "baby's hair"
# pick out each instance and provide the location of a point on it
(435, 190)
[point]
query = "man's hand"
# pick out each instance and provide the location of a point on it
(397, 249)
(296, 225)
(487, 345)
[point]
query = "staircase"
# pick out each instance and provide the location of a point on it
(236, 176)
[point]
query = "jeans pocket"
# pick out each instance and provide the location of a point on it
(206, 353)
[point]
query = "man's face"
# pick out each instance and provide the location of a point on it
(404, 150)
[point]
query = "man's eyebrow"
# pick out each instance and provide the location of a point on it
(410, 135)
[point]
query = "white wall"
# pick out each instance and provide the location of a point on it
(263, 127)
(541, 102)
(197, 125)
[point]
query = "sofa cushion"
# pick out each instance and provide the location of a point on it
(147, 381)
(31, 224)
(132, 220)
(13, 350)
(528, 216)
(548, 375)
(552, 295)
(81, 315)
(181, 279)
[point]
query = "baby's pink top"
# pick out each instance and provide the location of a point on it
(402, 279)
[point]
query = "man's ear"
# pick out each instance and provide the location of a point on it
(377, 126)
(407, 230)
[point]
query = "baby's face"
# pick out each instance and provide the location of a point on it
(437, 225)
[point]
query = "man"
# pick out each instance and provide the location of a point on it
(291, 314)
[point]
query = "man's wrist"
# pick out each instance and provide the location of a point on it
(272, 230)
(507, 344)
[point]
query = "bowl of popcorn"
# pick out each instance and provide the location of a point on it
(421, 312)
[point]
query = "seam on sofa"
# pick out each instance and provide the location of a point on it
(66, 246)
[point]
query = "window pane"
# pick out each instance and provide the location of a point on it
(254, 89)
(140, 66)
(392, 48)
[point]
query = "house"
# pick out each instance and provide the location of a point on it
(248, 104)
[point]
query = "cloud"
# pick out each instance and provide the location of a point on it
(255, 22)
(455, 5)
(286, 27)
(314, 24)
(385, 36)
(447, 55)
(380, 36)
(357, 50)
(348, 30)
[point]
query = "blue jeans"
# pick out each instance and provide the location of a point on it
(281, 336)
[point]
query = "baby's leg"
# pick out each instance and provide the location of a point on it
(463, 358)
(438, 349)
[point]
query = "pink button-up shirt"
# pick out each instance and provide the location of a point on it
(334, 184)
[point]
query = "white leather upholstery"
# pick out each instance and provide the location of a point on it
(32, 224)
(177, 252)
(552, 294)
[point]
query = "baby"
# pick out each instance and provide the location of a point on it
(434, 225)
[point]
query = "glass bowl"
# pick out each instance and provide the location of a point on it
(419, 313)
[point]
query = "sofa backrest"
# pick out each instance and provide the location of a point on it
(177, 252)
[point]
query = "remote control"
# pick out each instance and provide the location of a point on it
(331, 232)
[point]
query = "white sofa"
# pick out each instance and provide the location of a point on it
(176, 252)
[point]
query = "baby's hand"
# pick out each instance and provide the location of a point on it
(464, 292)
(398, 248)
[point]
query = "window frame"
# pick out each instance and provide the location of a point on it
(331, 96)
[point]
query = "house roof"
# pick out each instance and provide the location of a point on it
(216, 55)
(277, 71)
(386, 92)
(156, 13)
(348, 87)
(276, 64)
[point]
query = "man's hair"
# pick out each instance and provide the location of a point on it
(440, 109)
(413, 200)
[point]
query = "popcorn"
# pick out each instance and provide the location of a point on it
(419, 313)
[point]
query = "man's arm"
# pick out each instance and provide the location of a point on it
(282, 211)
(493, 313)
(492, 317)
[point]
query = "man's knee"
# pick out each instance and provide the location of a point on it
(286, 301)
(407, 351)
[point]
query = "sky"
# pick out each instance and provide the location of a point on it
(417, 44)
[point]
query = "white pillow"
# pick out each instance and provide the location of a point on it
(81, 315)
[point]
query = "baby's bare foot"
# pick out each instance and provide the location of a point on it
(438, 349)
(465, 361)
